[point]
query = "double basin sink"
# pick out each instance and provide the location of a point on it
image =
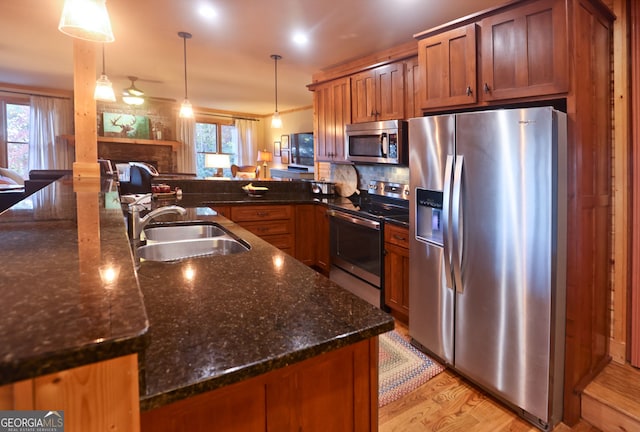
(173, 241)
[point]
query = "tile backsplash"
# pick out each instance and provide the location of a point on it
(366, 173)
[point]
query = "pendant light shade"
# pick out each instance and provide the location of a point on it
(104, 88)
(133, 95)
(86, 19)
(186, 110)
(276, 121)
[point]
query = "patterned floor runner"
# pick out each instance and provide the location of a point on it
(402, 368)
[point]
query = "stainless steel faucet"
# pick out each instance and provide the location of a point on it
(138, 223)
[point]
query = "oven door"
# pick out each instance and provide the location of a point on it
(356, 246)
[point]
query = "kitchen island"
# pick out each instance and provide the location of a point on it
(217, 326)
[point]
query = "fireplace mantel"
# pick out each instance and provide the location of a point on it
(158, 152)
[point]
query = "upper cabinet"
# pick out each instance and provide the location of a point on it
(332, 107)
(524, 51)
(378, 94)
(447, 68)
(518, 53)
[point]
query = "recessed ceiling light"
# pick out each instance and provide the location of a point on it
(207, 11)
(300, 38)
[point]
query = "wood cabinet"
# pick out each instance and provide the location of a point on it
(312, 236)
(378, 94)
(305, 234)
(98, 397)
(396, 271)
(524, 51)
(336, 391)
(332, 107)
(273, 223)
(447, 68)
(323, 256)
(412, 88)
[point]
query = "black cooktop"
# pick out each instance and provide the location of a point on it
(383, 199)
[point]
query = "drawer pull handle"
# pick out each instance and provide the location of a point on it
(261, 213)
(399, 237)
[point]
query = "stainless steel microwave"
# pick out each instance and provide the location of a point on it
(381, 142)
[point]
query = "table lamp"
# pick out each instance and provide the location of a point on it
(217, 161)
(264, 156)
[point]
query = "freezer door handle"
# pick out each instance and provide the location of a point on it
(446, 221)
(457, 223)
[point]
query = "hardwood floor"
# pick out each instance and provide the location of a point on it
(448, 402)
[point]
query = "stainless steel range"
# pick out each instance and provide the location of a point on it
(357, 238)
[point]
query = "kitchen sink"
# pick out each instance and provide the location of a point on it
(167, 232)
(181, 249)
(173, 241)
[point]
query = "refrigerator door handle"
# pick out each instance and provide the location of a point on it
(446, 221)
(457, 224)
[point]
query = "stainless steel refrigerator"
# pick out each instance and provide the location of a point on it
(488, 251)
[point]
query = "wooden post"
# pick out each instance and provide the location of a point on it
(84, 81)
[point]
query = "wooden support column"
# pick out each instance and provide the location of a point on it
(84, 81)
(621, 177)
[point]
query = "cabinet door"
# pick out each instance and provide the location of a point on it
(332, 102)
(524, 51)
(390, 91)
(323, 258)
(305, 233)
(412, 88)
(396, 280)
(363, 97)
(448, 68)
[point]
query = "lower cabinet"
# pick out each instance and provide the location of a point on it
(273, 223)
(335, 391)
(99, 397)
(301, 230)
(396, 271)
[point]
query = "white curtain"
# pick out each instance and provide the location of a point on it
(186, 162)
(247, 141)
(50, 119)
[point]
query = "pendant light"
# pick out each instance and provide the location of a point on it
(104, 88)
(186, 110)
(276, 121)
(86, 19)
(133, 95)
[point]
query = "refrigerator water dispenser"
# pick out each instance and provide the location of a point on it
(429, 215)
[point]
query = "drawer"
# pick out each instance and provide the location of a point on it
(268, 227)
(284, 242)
(259, 213)
(396, 235)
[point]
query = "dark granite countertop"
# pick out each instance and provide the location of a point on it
(211, 321)
(58, 312)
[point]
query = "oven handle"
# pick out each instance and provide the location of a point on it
(354, 219)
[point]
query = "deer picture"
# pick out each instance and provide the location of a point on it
(125, 128)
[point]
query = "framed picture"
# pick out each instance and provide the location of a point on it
(125, 125)
(285, 157)
(276, 148)
(285, 141)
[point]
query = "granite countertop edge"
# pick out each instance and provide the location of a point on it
(48, 363)
(148, 403)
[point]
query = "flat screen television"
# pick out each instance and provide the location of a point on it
(301, 149)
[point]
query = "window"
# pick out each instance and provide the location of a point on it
(15, 133)
(215, 138)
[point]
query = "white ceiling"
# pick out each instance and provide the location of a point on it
(228, 59)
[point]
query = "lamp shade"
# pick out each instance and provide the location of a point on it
(86, 19)
(265, 156)
(217, 160)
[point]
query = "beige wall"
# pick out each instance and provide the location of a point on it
(296, 121)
